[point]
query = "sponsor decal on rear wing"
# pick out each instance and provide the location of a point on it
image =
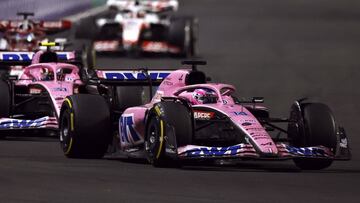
(132, 77)
(25, 58)
(54, 25)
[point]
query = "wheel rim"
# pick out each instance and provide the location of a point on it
(65, 137)
(152, 139)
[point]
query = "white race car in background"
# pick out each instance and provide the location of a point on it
(142, 26)
(155, 5)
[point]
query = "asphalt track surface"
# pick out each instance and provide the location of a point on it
(282, 50)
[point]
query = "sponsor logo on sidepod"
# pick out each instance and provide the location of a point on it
(202, 115)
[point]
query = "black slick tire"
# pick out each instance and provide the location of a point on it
(315, 127)
(182, 34)
(126, 97)
(85, 126)
(167, 119)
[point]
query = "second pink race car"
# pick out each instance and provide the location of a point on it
(32, 100)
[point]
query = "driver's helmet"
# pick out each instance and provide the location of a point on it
(141, 14)
(60, 75)
(46, 75)
(203, 96)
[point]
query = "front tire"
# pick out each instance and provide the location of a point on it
(315, 126)
(85, 126)
(169, 124)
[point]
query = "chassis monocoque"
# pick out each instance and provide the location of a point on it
(172, 127)
(32, 101)
(142, 27)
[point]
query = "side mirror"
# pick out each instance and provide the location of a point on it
(12, 77)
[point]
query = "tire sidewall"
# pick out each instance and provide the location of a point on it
(151, 154)
(90, 130)
(311, 130)
(181, 34)
(65, 137)
(174, 119)
(4, 99)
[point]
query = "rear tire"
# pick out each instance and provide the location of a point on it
(89, 56)
(4, 104)
(128, 97)
(112, 31)
(183, 34)
(4, 71)
(172, 119)
(85, 126)
(86, 29)
(315, 126)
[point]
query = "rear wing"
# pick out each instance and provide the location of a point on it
(12, 58)
(129, 77)
(46, 26)
(143, 77)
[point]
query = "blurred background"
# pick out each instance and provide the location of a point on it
(46, 9)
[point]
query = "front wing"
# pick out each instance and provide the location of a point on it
(247, 151)
(22, 124)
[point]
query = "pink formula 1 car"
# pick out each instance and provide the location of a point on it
(190, 119)
(33, 100)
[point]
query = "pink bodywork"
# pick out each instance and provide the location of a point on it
(58, 89)
(173, 86)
